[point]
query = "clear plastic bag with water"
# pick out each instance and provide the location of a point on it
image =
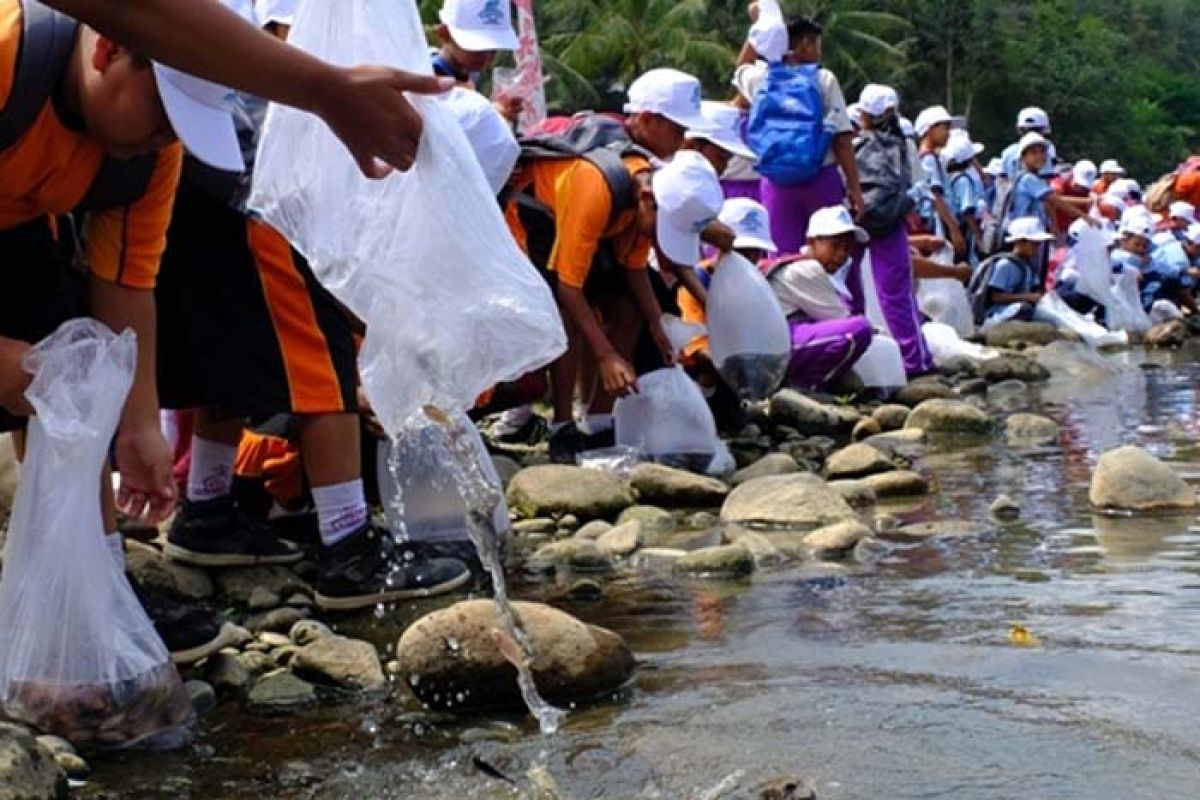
(424, 258)
(80, 659)
(747, 331)
(1126, 313)
(1054, 310)
(882, 365)
(668, 421)
(945, 300)
(945, 344)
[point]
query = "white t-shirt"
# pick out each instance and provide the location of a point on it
(805, 289)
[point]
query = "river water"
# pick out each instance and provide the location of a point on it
(893, 677)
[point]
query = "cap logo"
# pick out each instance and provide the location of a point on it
(753, 220)
(491, 13)
(696, 95)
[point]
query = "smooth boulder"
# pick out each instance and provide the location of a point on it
(857, 461)
(340, 662)
(1130, 479)
(1008, 334)
(676, 488)
(901, 483)
(891, 417)
(722, 561)
(804, 414)
(1167, 335)
(836, 540)
(551, 490)
(1030, 429)
(1004, 368)
(800, 500)
(949, 417)
(452, 661)
(773, 464)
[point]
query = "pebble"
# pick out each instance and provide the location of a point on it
(622, 540)
(308, 631)
(281, 692)
(568, 522)
(543, 525)
(273, 640)
(866, 427)
(278, 620)
(730, 560)
(594, 530)
(700, 521)
(204, 697)
(227, 674)
(76, 768)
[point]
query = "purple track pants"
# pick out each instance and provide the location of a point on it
(822, 352)
(791, 207)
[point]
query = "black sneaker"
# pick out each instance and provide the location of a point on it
(365, 569)
(216, 533)
(600, 441)
(566, 444)
(191, 633)
(534, 431)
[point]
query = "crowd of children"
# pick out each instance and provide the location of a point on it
(625, 215)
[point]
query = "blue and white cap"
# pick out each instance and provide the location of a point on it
(725, 132)
(751, 224)
(689, 197)
(671, 94)
(834, 221)
(480, 25)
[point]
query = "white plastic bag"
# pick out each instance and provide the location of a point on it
(945, 300)
(680, 333)
(747, 331)
(1126, 312)
(1054, 310)
(668, 420)
(1090, 256)
(946, 344)
(420, 495)
(80, 658)
(882, 365)
(424, 258)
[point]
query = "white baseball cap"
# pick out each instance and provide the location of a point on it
(1027, 229)
(1033, 118)
(1084, 173)
(725, 122)
(1182, 210)
(689, 197)
(876, 99)
(1111, 167)
(489, 134)
(1140, 225)
(201, 112)
(282, 12)
(934, 115)
(1125, 187)
(834, 221)
(960, 150)
(671, 94)
(751, 223)
(961, 134)
(480, 25)
(995, 167)
(1029, 140)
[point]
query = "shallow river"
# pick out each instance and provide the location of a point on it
(895, 677)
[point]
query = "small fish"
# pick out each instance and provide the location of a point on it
(1020, 636)
(438, 416)
(490, 771)
(508, 648)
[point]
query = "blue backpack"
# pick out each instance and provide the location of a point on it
(787, 124)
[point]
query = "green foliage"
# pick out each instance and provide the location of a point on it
(1119, 78)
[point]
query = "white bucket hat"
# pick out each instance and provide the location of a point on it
(1027, 229)
(751, 224)
(930, 117)
(725, 124)
(480, 25)
(834, 221)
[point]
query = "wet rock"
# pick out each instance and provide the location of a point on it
(73, 765)
(857, 493)
(255, 663)
(568, 522)
(227, 674)
(237, 636)
(1004, 507)
(203, 696)
(1030, 429)
(150, 568)
(959, 367)
(1130, 479)
(1008, 334)
(909, 440)
(848, 416)
(1004, 368)
(773, 464)
(763, 550)
(27, 770)
(263, 599)
(658, 556)
(238, 585)
(534, 527)
(787, 789)
(807, 416)
(801, 500)
(1166, 335)
(866, 427)
(901, 483)
(279, 620)
(891, 417)
(622, 540)
(973, 387)
(299, 600)
(273, 640)
(836, 540)
(308, 631)
(283, 656)
(594, 530)
(586, 590)
(923, 389)
(652, 518)
(700, 521)
(553, 489)
(949, 417)
(451, 660)
(340, 662)
(506, 468)
(921, 531)
(581, 555)
(857, 461)
(723, 561)
(281, 692)
(746, 451)
(675, 488)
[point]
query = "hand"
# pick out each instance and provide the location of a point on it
(753, 13)
(663, 342)
(367, 414)
(720, 236)
(854, 199)
(510, 107)
(366, 109)
(962, 272)
(617, 376)
(145, 460)
(14, 380)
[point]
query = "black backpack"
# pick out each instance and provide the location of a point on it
(885, 176)
(600, 140)
(977, 289)
(47, 41)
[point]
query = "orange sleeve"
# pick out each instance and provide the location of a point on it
(583, 203)
(1187, 186)
(125, 245)
(690, 310)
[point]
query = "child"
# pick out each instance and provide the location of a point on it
(1015, 284)
(1111, 171)
(1032, 196)
(826, 338)
(471, 32)
(933, 126)
(1181, 216)
(1076, 188)
(1030, 120)
(722, 143)
(964, 195)
(791, 206)
(1170, 275)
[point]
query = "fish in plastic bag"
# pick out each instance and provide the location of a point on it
(80, 659)
(747, 332)
(424, 258)
(668, 421)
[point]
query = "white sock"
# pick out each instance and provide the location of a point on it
(596, 423)
(211, 473)
(341, 510)
(512, 420)
(116, 549)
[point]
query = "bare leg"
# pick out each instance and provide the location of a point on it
(331, 446)
(624, 325)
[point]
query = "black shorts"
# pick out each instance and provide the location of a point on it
(244, 328)
(42, 289)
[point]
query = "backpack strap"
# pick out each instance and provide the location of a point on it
(620, 183)
(47, 40)
(120, 182)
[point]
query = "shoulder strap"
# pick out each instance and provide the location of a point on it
(620, 182)
(47, 39)
(120, 182)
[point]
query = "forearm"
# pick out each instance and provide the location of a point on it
(843, 154)
(748, 55)
(182, 33)
(691, 282)
(580, 312)
(1005, 298)
(121, 308)
(1056, 202)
